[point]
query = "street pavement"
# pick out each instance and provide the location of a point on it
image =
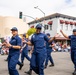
(63, 65)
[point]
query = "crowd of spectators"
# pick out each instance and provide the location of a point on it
(3, 49)
(58, 46)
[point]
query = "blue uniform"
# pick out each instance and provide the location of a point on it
(49, 51)
(73, 49)
(14, 55)
(39, 53)
(25, 53)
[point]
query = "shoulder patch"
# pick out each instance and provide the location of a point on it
(33, 36)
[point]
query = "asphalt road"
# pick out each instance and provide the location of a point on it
(63, 65)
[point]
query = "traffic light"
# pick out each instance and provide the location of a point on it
(20, 15)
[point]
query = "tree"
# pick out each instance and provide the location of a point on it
(31, 31)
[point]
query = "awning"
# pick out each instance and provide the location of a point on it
(61, 22)
(67, 22)
(71, 23)
(61, 38)
(50, 22)
(74, 23)
(32, 27)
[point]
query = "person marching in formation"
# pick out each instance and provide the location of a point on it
(14, 51)
(24, 53)
(73, 47)
(39, 53)
(49, 50)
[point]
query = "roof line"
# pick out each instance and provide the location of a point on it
(52, 16)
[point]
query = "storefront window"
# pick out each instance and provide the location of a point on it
(46, 27)
(61, 26)
(71, 26)
(50, 27)
(66, 27)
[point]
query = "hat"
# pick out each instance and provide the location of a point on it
(24, 35)
(39, 26)
(14, 29)
(74, 30)
(48, 34)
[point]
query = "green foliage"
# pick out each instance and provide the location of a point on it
(31, 31)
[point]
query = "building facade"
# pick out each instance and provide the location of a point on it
(6, 23)
(56, 22)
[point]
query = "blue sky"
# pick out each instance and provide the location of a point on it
(12, 7)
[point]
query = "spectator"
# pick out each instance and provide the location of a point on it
(69, 48)
(0, 46)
